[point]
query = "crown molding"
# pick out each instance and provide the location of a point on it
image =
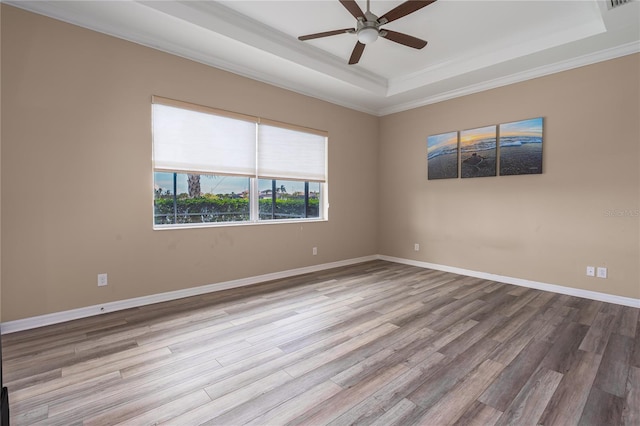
(584, 60)
(494, 54)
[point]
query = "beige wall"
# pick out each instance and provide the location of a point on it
(545, 228)
(77, 177)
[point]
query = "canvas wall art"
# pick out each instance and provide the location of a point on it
(478, 152)
(442, 156)
(521, 147)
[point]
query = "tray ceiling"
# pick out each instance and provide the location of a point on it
(473, 45)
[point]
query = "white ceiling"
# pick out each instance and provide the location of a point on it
(473, 45)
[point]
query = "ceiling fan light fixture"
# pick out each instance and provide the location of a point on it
(367, 35)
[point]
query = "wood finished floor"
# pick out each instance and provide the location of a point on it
(376, 343)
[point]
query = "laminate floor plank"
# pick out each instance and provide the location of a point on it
(447, 377)
(494, 286)
(598, 335)
(429, 288)
(635, 355)
(511, 380)
(36, 379)
(454, 403)
(43, 366)
(194, 356)
(163, 398)
(207, 412)
(352, 344)
(479, 414)
(602, 408)
(562, 357)
(248, 411)
(544, 299)
(438, 341)
(305, 359)
(457, 315)
(614, 367)
(372, 343)
(297, 405)
(493, 302)
(627, 322)
(528, 405)
(512, 326)
(374, 406)
(319, 333)
(588, 309)
(396, 414)
(344, 400)
(476, 333)
(109, 398)
(117, 361)
(567, 403)
(42, 401)
(631, 409)
(458, 303)
(152, 414)
(62, 390)
(478, 287)
(554, 320)
(520, 302)
(394, 353)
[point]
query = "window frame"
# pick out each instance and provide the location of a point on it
(254, 194)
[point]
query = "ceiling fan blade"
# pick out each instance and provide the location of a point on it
(356, 54)
(325, 34)
(353, 8)
(404, 39)
(404, 9)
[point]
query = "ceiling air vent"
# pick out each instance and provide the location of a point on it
(615, 3)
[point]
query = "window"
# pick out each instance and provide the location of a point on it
(283, 199)
(181, 198)
(213, 166)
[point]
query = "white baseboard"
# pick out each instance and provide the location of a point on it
(570, 291)
(59, 317)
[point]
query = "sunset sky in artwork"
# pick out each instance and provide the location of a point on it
(532, 127)
(469, 137)
(437, 141)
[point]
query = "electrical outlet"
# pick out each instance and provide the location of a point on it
(102, 280)
(315, 251)
(602, 272)
(591, 271)
(416, 247)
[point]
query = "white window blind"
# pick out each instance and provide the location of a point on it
(284, 153)
(195, 141)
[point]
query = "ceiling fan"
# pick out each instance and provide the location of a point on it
(368, 26)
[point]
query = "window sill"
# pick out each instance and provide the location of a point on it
(234, 224)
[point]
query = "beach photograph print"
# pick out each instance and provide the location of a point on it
(521, 147)
(442, 156)
(478, 152)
